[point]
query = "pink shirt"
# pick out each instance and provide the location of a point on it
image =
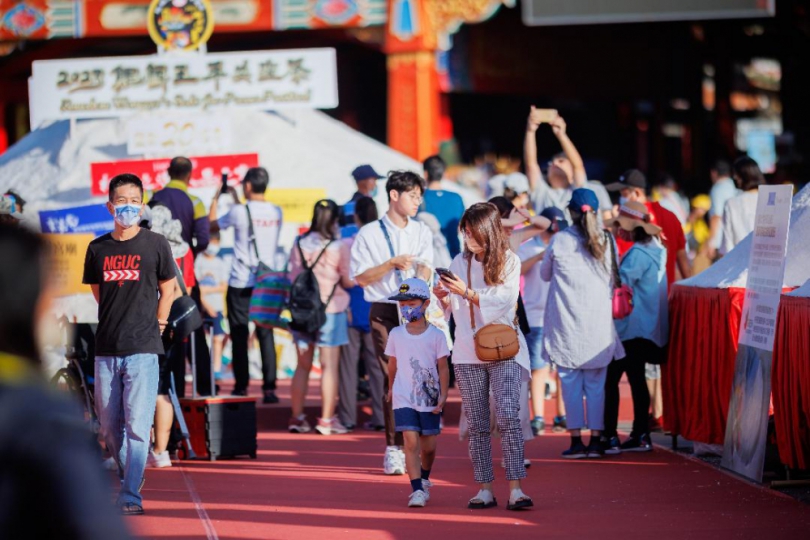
(333, 265)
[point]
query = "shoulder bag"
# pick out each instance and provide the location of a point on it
(622, 293)
(493, 342)
(271, 292)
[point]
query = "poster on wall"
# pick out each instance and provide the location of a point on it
(66, 263)
(121, 86)
(207, 171)
(747, 423)
(94, 218)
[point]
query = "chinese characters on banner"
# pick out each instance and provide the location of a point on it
(177, 134)
(152, 172)
(766, 268)
(114, 87)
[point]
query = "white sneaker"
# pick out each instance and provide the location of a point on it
(392, 462)
(418, 499)
(110, 464)
(330, 426)
(158, 461)
(426, 485)
(402, 459)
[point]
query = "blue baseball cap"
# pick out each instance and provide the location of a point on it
(584, 200)
(555, 216)
(364, 172)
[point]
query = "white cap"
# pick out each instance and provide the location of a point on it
(517, 182)
(412, 289)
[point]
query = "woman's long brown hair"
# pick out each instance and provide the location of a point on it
(483, 222)
(594, 236)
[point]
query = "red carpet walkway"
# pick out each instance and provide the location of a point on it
(315, 487)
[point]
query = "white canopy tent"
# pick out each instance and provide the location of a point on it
(50, 167)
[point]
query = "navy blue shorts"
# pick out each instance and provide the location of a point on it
(425, 423)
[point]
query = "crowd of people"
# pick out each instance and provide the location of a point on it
(525, 284)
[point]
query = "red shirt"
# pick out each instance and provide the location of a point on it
(671, 235)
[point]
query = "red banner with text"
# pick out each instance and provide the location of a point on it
(152, 172)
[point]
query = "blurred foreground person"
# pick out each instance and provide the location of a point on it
(44, 492)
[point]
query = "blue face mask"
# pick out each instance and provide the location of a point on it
(412, 313)
(127, 215)
(623, 201)
(374, 192)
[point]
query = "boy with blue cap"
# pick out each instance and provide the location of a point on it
(419, 378)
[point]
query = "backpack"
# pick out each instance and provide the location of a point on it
(307, 310)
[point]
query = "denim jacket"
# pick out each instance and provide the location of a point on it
(644, 269)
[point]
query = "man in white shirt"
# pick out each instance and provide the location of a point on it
(384, 254)
(257, 225)
(723, 189)
(566, 171)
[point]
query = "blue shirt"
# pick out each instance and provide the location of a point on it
(644, 269)
(448, 207)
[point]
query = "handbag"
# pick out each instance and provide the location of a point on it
(493, 342)
(271, 293)
(622, 293)
(184, 316)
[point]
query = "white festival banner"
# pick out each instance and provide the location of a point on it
(183, 83)
(173, 134)
(766, 267)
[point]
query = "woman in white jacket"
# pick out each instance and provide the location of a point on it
(491, 294)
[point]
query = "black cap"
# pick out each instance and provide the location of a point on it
(364, 172)
(633, 178)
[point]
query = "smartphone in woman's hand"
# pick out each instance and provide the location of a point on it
(444, 272)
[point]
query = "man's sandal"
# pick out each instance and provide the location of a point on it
(131, 509)
(483, 500)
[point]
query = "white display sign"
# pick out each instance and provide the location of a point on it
(766, 267)
(187, 83)
(177, 135)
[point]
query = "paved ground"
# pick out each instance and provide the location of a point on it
(314, 487)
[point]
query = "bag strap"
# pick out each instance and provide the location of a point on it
(617, 279)
(179, 274)
(318, 258)
(397, 271)
(469, 284)
(252, 232)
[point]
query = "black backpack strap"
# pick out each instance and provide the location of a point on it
(318, 258)
(251, 233)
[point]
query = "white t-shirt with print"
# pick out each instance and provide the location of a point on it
(416, 385)
(535, 290)
(267, 226)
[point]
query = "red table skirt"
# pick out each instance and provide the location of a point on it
(790, 381)
(697, 379)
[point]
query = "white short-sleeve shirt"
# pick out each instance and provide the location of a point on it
(416, 384)
(370, 249)
(267, 227)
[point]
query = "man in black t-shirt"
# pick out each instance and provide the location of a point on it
(132, 275)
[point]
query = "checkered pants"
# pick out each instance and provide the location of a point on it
(474, 382)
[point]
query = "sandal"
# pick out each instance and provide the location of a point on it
(131, 509)
(483, 500)
(519, 500)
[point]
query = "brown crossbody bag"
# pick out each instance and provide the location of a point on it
(493, 342)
